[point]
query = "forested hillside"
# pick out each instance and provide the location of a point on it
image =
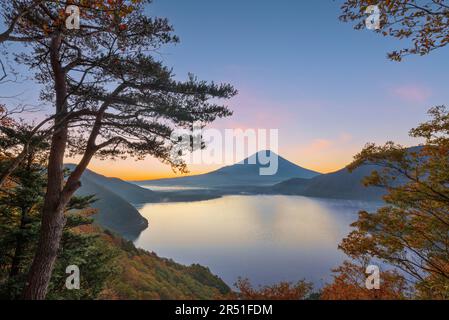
(114, 212)
(144, 275)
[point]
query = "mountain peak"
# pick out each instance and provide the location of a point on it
(245, 173)
(255, 158)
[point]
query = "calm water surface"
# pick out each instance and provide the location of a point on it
(169, 188)
(264, 238)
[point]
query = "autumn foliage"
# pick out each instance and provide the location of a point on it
(410, 232)
(280, 291)
(5, 120)
(423, 24)
(111, 12)
(349, 284)
(142, 275)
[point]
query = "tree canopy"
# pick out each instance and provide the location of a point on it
(410, 232)
(424, 24)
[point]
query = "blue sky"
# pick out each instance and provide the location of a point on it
(327, 87)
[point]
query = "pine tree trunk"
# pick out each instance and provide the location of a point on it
(45, 256)
(53, 219)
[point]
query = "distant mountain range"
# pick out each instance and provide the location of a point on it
(117, 200)
(128, 191)
(115, 211)
(244, 173)
(341, 184)
(291, 179)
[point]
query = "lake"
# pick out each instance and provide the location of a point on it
(264, 238)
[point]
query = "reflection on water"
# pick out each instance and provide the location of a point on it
(264, 238)
(169, 188)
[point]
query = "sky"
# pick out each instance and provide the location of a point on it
(326, 87)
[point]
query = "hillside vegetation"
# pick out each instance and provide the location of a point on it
(110, 266)
(341, 184)
(143, 275)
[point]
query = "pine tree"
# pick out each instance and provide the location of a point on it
(112, 98)
(21, 201)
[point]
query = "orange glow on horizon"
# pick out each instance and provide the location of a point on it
(322, 166)
(151, 169)
(320, 156)
(132, 170)
(129, 174)
(136, 175)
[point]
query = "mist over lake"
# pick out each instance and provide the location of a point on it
(264, 238)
